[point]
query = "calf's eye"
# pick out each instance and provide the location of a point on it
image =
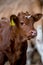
(22, 23)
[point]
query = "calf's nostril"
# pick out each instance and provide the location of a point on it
(34, 32)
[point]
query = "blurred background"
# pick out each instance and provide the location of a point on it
(8, 7)
(15, 6)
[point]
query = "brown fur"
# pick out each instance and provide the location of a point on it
(14, 38)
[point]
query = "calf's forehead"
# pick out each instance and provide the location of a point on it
(24, 17)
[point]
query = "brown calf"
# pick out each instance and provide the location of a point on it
(13, 39)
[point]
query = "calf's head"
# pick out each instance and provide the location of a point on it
(25, 22)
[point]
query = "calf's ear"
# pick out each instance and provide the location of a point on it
(36, 17)
(14, 20)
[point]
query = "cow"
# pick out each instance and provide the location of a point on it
(13, 38)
